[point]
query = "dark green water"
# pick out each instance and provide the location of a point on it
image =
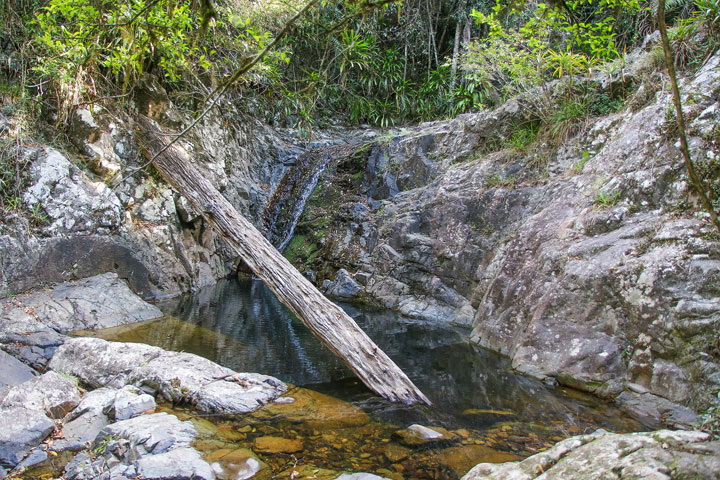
(241, 325)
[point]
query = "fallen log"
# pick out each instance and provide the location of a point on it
(335, 329)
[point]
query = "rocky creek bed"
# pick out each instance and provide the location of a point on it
(120, 410)
(593, 270)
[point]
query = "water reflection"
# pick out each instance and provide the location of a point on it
(241, 325)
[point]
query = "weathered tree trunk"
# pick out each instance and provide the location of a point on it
(326, 320)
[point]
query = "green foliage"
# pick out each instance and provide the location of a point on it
(348, 61)
(88, 46)
(523, 136)
(606, 199)
(521, 52)
(565, 117)
(708, 11)
(13, 173)
(578, 167)
(508, 61)
(696, 33)
(708, 167)
(602, 103)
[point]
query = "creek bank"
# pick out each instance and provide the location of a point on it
(658, 455)
(50, 413)
(177, 377)
(127, 377)
(34, 325)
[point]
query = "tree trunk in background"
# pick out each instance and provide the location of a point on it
(335, 329)
(456, 52)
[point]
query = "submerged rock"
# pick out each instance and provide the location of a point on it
(461, 459)
(416, 435)
(360, 476)
(395, 453)
(178, 377)
(314, 410)
(663, 455)
(277, 445)
(238, 464)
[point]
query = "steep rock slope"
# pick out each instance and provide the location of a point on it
(596, 269)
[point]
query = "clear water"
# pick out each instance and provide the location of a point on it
(241, 325)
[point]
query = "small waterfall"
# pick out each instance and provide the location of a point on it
(300, 204)
(288, 202)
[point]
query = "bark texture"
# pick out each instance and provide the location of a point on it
(335, 329)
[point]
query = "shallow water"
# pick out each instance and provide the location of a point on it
(491, 413)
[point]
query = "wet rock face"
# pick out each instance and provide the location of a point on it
(662, 454)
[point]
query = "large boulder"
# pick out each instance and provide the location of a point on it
(72, 202)
(179, 377)
(28, 408)
(658, 455)
(50, 394)
(153, 446)
(23, 430)
(97, 302)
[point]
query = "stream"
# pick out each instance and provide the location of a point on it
(488, 412)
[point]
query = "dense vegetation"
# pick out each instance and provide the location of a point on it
(375, 62)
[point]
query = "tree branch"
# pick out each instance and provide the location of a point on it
(222, 89)
(694, 179)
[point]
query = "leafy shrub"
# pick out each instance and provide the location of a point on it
(602, 103)
(87, 46)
